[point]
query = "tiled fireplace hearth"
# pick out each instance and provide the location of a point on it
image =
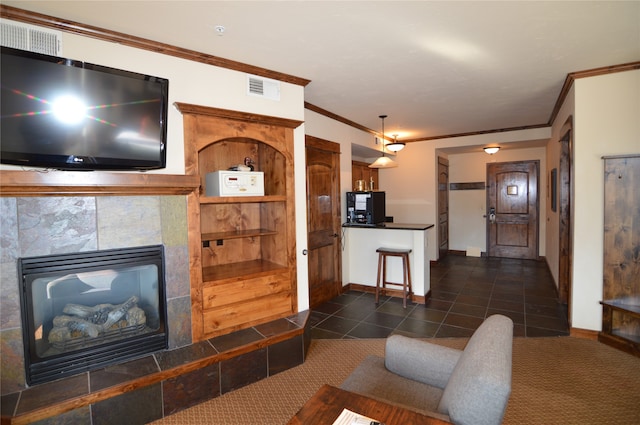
(150, 387)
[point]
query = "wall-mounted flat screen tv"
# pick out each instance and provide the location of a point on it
(71, 115)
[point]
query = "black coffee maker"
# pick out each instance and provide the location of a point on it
(366, 208)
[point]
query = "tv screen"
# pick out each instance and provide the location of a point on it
(71, 115)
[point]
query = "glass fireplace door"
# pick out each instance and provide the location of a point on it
(81, 313)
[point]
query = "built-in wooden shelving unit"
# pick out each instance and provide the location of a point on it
(242, 248)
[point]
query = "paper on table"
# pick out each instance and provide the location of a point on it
(347, 417)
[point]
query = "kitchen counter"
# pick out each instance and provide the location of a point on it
(360, 259)
(391, 226)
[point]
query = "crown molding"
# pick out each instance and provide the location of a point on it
(21, 15)
(571, 77)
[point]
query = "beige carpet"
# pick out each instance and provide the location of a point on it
(555, 381)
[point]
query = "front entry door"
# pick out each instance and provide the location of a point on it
(512, 209)
(323, 220)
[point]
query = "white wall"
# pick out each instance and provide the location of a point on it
(467, 226)
(606, 122)
(334, 131)
(201, 84)
(411, 187)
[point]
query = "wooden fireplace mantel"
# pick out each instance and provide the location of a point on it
(92, 183)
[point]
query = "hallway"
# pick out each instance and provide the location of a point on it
(464, 291)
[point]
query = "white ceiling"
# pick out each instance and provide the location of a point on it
(434, 67)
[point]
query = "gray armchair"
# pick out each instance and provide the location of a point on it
(465, 387)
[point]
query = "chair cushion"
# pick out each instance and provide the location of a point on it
(420, 360)
(372, 379)
(480, 385)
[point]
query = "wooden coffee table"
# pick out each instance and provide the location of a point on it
(327, 404)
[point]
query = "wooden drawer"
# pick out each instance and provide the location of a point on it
(240, 315)
(218, 295)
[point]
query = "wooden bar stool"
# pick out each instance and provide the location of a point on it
(383, 253)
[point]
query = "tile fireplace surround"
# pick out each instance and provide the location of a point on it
(156, 385)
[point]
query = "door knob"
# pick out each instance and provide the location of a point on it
(492, 215)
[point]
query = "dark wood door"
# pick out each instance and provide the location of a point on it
(443, 207)
(323, 220)
(512, 209)
(565, 251)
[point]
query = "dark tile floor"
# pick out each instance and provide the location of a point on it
(464, 291)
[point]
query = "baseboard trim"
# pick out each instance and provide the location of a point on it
(583, 333)
(418, 299)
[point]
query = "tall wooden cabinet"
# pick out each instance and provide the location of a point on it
(621, 280)
(361, 171)
(242, 248)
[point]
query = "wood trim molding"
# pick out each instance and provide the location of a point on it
(468, 186)
(474, 133)
(561, 98)
(348, 122)
(583, 333)
(187, 108)
(324, 112)
(571, 77)
(318, 143)
(21, 15)
(418, 299)
(74, 183)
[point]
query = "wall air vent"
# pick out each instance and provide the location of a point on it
(263, 87)
(29, 37)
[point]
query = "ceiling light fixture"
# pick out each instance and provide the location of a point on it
(383, 161)
(395, 146)
(491, 150)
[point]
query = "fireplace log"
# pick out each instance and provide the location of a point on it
(101, 314)
(136, 316)
(80, 320)
(118, 312)
(64, 325)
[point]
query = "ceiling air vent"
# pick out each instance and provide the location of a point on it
(263, 87)
(31, 38)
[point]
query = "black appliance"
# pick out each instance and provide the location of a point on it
(366, 208)
(71, 115)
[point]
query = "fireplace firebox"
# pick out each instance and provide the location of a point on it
(87, 310)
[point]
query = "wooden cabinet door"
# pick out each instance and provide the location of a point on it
(361, 171)
(622, 228)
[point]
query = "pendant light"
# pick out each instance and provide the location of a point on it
(383, 161)
(395, 146)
